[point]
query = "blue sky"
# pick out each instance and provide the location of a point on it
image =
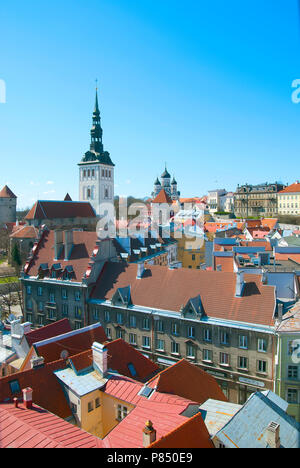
(204, 86)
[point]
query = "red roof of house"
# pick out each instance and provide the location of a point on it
(84, 243)
(72, 341)
(37, 428)
(191, 434)
(269, 222)
(25, 232)
(60, 209)
(294, 188)
(162, 197)
(120, 354)
(48, 331)
(258, 243)
(174, 380)
(226, 263)
(7, 193)
(164, 410)
(216, 289)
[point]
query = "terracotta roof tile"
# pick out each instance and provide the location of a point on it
(217, 291)
(162, 197)
(84, 244)
(60, 209)
(48, 331)
(177, 380)
(25, 232)
(294, 188)
(191, 434)
(37, 428)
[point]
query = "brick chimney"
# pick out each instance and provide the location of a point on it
(68, 244)
(27, 397)
(273, 435)
(100, 358)
(58, 243)
(149, 434)
(240, 284)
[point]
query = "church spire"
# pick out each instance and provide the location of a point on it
(96, 131)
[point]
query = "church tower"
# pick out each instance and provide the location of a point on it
(96, 169)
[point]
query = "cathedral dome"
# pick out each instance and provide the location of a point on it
(165, 175)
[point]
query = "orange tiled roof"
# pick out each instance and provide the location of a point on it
(162, 197)
(217, 291)
(191, 434)
(25, 232)
(174, 380)
(7, 193)
(294, 188)
(226, 263)
(84, 243)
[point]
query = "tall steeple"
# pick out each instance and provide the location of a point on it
(96, 130)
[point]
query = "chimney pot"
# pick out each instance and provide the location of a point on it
(15, 400)
(27, 397)
(149, 434)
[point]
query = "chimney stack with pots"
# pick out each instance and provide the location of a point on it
(149, 434)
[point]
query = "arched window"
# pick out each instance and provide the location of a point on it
(88, 193)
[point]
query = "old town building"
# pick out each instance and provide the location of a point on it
(257, 200)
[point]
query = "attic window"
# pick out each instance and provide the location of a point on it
(146, 392)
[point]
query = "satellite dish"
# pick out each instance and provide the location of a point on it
(64, 354)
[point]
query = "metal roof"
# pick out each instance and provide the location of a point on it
(247, 429)
(217, 413)
(81, 383)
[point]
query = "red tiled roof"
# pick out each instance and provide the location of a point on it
(37, 428)
(294, 188)
(47, 391)
(120, 354)
(217, 291)
(174, 380)
(260, 243)
(60, 209)
(7, 193)
(84, 243)
(269, 222)
(164, 410)
(25, 232)
(74, 342)
(48, 331)
(191, 434)
(226, 263)
(162, 197)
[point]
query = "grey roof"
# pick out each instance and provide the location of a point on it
(247, 429)
(217, 413)
(292, 241)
